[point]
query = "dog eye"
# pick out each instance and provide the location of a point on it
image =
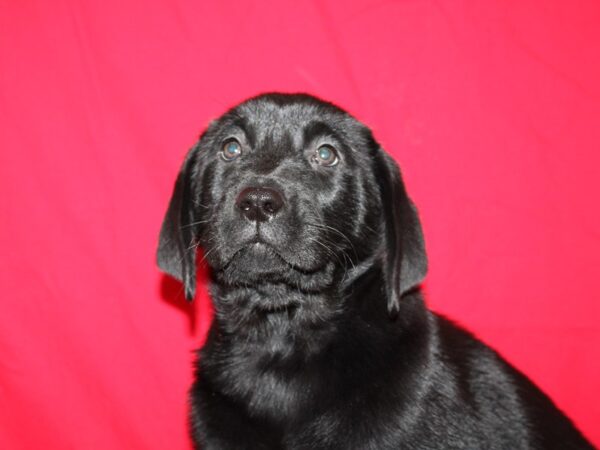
(231, 150)
(326, 156)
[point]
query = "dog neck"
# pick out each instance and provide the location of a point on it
(276, 320)
(273, 318)
(268, 355)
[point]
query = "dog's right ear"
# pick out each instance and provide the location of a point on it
(176, 253)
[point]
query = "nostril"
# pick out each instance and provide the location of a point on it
(271, 201)
(268, 207)
(245, 205)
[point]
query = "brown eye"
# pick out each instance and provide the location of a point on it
(231, 150)
(326, 156)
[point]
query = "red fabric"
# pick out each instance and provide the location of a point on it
(492, 109)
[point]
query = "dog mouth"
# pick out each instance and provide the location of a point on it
(257, 255)
(258, 263)
(261, 257)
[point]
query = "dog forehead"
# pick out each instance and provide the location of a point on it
(277, 118)
(296, 107)
(277, 121)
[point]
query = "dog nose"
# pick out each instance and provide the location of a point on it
(259, 204)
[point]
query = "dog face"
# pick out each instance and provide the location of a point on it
(289, 190)
(308, 231)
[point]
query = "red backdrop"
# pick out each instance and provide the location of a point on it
(491, 108)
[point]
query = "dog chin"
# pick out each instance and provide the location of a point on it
(260, 257)
(255, 262)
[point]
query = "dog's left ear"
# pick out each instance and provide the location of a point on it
(176, 253)
(404, 257)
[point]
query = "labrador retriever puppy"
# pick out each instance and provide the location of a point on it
(321, 338)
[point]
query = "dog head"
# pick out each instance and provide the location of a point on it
(288, 189)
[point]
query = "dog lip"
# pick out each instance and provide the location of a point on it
(268, 249)
(258, 245)
(261, 246)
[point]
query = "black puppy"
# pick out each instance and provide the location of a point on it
(321, 339)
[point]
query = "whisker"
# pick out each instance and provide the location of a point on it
(341, 249)
(197, 203)
(195, 223)
(205, 255)
(331, 252)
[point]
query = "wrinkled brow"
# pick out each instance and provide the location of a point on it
(241, 123)
(318, 129)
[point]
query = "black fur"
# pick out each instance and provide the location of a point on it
(321, 338)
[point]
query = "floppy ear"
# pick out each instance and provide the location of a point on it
(176, 253)
(404, 257)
